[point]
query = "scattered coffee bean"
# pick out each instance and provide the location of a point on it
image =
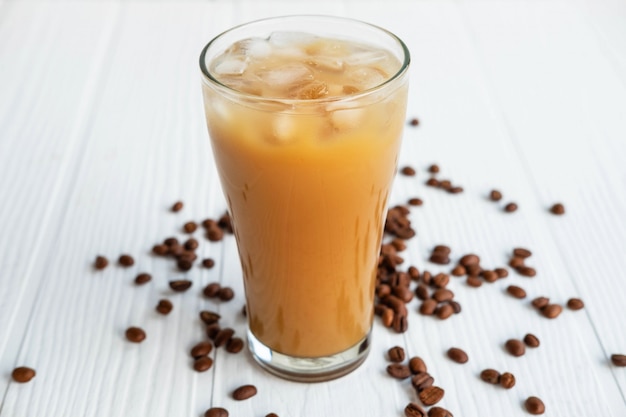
(142, 278)
(170, 241)
(531, 340)
(160, 249)
(180, 285)
(439, 258)
(415, 201)
(178, 206)
(551, 311)
(234, 345)
(216, 412)
(400, 323)
(421, 381)
(191, 244)
(618, 360)
(510, 207)
(457, 355)
(271, 415)
(421, 291)
(387, 317)
(396, 354)
(203, 364)
(515, 347)
(208, 263)
(23, 374)
(408, 171)
(209, 317)
(501, 272)
(540, 302)
(398, 371)
(526, 271)
(414, 273)
(491, 376)
(223, 336)
(535, 406)
(507, 380)
(417, 365)
(516, 291)
(432, 182)
(126, 260)
(428, 307)
(455, 306)
(575, 304)
(190, 227)
(445, 311)
(495, 195)
(135, 334)
(442, 295)
(226, 294)
(459, 271)
(473, 281)
(164, 307)
(439, 412)
(490, 276)
(101, 262)
(211, 290)
(427, 277)
(212, 330)
(441, 280)
(469, 260)
(516, 262)
(522, 253)
(244, 392)
(558, 209)
(201, 349)
(414, 410)
(433, 169)
(184, 264)
(414, 122)
(474, 270)
(431, 395)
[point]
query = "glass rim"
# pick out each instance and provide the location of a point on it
(209, 78)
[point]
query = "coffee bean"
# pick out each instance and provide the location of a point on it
(101, 262)
(444, 312)
(178, 206)
(215, 234)
(432, 182)
(408, 171)
(417, 365)
(170, 241)
(515, 347)
(442, 295)
(414, 273)
(441, 280)
(203, 364)
(551, 311)
(209, 317)
(211, 290)
(135, 334)
(526, 271)
(190, 227)
(176, 250)
(414, 410)
(490, 276)
(403, 293)
(421, 381)
(223, 336)
(439, 412)
(164, 307)
(443, 249)
(531, 340)
(510, 208)
(457, 355)
(491, 376)
(244, 392)
(226, 294)
(212, 330)
(184, 264)
(191, 244)
(398, 244)
(428, 307)
(469, 260)
(415, 201)
(400, 323)
(234, 345)
(445, 184)
(522, 253)
(618, 359)
(421, 291)
(459, 271)
(398, 371)
(396, 354)
(226, 223)
(474, 281)
(535, 406)
(558, 209)
(495, 195)
(455, 306)
(180, 285)
(516, 262)
(208, 263)
(23, 374)
(160, 249)
(474, 270)
(507, 380)
(216, 412)
(271, 415)
(516, 291)
(427, 277)
(201, 349)
(387, 317)
(431, 395)
(575, 304)
(439, 259)
(455, 190)
(540, 302)
(501, 272)
(142, 278)
(126, 260)
(433, 169)
(414, 122)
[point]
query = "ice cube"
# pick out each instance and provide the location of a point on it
(347, 119)
(285, 38)
(366, 77)
(284, 127)
(367, 58)
(331, 64)
(309, 91)
(230, 66)
(285, 75)
(256, 47)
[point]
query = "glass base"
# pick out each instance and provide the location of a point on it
(301, 369)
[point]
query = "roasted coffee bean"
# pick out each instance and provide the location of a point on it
(459, 271)
(516, 291)
(445, 311)
(445, 184)
(510, 208)
(398, 371)
(203, 364)
(142, 278)
(226, 294)
(379, 309)
(415, 201)
(215, 234)
(191, 244)
(457, 355)
(490, 276)
(551, 311)
(216, 412)
(201, 349)
(575, 304)
(534, 406)
(234, 345)
(469, 260)
(211, 290)
(395, 303)
(101, 262)
(441, 280)
(474, 281)
(408, 171)
(417, 365)
(271, 415)
(135, 334)
(186, 255)
(474, 270)
(190, 227)
(244, 392)
(502, 273)
(23, 374)
(398, 244)
(433, 169)
(439, 258)
(422, 380)
(428, 307)
(126, 260)
(455, 306)
(170, 241)
(209, 317)
(618, 359)
(414, 410)
(403, 293)
(178, 206)
(439, 412)
(522, 253)
(516, 262)
(432, 182)
(558, 209)
(208, 263)
(490, 376)
(531, 340)
(495, 195)
(396, 354)
(431, 395)
(442, 295)
(180, 285)
(515, 347)
(427, 277)
(414, 122)
(212, 330)
(443, 249)
(421, 291)
(400, 323)
(507, 380)
(455, 190)
(223, 336)
(225, 223)
(526, 271)
(540, 302)
(414, 273)
(161, 249)
(164, 307)
(176, 250)
(184, 264)
(387, 317)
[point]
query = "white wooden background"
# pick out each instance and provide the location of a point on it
(101, 130)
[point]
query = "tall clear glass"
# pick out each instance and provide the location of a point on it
(305, 116)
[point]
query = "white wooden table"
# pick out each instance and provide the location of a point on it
(101, 130)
